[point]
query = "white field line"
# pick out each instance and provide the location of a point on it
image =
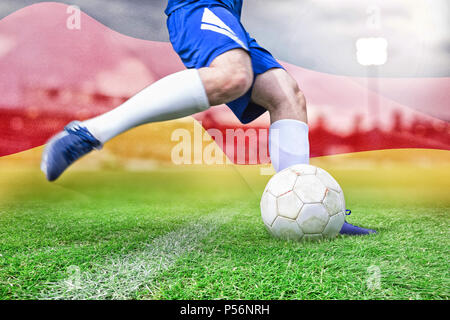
(122, 276)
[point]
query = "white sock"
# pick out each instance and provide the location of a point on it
(177, 95)
(288, 143)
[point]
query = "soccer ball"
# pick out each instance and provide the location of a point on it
(303, 202)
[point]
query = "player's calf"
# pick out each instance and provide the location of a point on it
(279, 93)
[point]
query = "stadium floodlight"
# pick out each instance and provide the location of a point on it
(372, 51)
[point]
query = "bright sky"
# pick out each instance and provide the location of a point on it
(321, 34)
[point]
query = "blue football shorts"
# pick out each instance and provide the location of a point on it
(201, 32)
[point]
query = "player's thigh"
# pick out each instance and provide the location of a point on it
(234, 60)
(276, 88)
(212, 40)
(210, 36)
(234, 66)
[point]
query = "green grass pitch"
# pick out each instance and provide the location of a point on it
(197, 234)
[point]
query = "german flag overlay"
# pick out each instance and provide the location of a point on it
(171, 210)
(53, 73)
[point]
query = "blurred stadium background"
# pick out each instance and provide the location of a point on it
(52, 75)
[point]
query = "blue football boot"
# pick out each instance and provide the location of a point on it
(65, 148)
(350, 229)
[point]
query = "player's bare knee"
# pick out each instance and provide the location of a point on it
(238, 82)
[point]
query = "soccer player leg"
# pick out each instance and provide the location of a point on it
(278, 92)
(228, 77)
(220, 73)
(177, 95)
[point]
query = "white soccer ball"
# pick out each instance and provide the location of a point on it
(303, 202)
